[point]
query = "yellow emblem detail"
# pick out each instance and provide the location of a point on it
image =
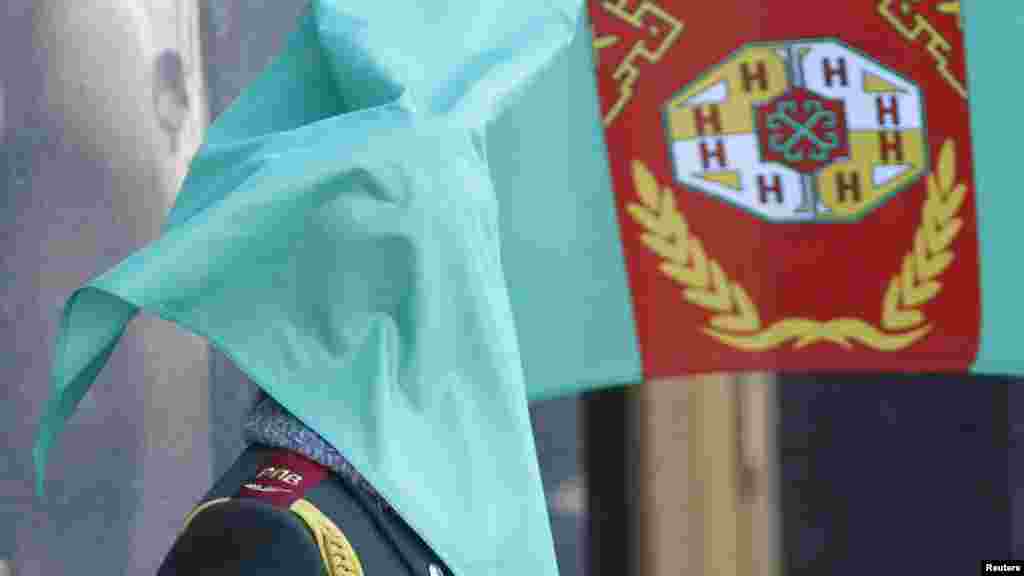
(866, 144)
(953, 9)
(191, 515)
(605, 41)
(730, 179)
(627, 73)
(336, 551)
(913, 26)
(875, 84)
(726, 96)
(735, 319)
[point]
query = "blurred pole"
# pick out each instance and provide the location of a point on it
(669, 542)
(707, 495)
(759, 469)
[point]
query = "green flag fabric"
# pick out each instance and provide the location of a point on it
(337, 238)
(992, 30)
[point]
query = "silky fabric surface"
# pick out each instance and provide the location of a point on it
(337, 238)
(992, 33)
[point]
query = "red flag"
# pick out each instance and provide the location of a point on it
(794, 184)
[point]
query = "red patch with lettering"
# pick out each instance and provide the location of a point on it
(283, 478)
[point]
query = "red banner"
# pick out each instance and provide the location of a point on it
(794, 182)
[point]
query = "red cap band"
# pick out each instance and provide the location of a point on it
(283, 478)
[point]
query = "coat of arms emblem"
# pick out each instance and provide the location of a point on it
(800, 131)
(791, 200)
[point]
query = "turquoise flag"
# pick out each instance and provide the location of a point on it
(338, 237)
(564, 223)
(992, 31)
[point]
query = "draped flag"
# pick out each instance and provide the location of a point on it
(792, 190)
(795, 189)
(691, 187)
(337, 238)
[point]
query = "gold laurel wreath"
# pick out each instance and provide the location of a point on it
(735, 319)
